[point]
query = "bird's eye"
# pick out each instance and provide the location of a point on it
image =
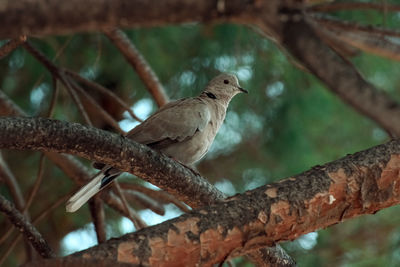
(226, 81)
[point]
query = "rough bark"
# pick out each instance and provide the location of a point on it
(281, 20)
(116, 150)
(49, 17)
(271, 256)
(24, 226)
(357, 184)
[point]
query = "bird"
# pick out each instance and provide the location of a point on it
(183, 129)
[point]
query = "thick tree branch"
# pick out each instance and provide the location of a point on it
(94, 15)
(104, 147)
(20, 221)
(116, 150)
(48, 17)
(357, 184)
(340, 76)
(81, 262)
(339, 6)
(67, 163)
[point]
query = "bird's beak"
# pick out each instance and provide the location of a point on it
(243, 90)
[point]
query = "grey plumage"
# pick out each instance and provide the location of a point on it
(183, 130)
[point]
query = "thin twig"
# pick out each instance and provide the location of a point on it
(50, 208)
(97, 211)
(68, 164)
(371, 42)
(8, 107)
(9, 179)
(40, 57)
(145, 201)
(59, 75)
(11, 45)
(340, 6)
(19, 220)
(10, 247)
(384, 12)
(133, 216)
(72, 88)
(38, 219)
(104, 114)
(101, 89)
(156, 194)
(139, 63)
(37, 184)
(75, 98)
(342, 48)
(334, 23)
(53, 97)
(12, 184)
(58, 54)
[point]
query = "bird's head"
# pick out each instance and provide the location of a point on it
(224, 87)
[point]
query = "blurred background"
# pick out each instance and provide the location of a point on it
(287, 123)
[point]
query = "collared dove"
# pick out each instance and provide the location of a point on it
(183, 130)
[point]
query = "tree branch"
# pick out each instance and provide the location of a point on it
(357, 184)
(9, 179)
(97, 212)
(97, 87)
(11, 45)
(145, 201)
(159, 195)
(133, 216)
(347, 26)
(139, 63)
(367, 38)
(68, 164)
(339, 6)
(48, 17)
(340, 76)
(122, 153)
(369, 43)
(116, 150)
(19, 220)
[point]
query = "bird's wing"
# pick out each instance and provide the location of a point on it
(175, 121)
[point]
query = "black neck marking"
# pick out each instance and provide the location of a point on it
(211, 95)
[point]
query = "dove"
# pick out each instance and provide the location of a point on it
(183, 130)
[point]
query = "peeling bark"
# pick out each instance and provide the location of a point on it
(271, 256)
(362, 183)
(357, 184)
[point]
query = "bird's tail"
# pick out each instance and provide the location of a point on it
(98, 182)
